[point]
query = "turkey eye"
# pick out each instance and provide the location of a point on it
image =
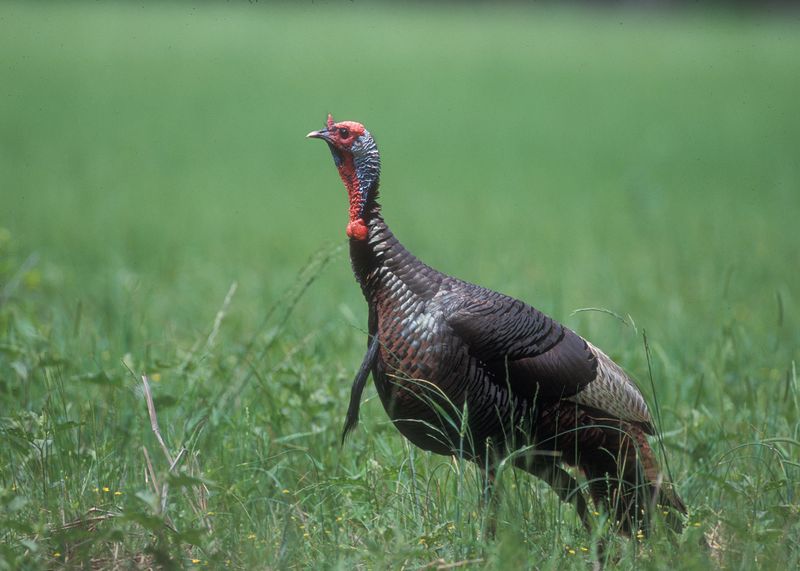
(344, 133)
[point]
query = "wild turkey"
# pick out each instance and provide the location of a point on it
(443, 352)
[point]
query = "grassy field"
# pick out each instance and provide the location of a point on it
(161, 213)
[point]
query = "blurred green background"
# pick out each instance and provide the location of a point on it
(151, 155)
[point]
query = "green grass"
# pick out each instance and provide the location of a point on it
(152, 156)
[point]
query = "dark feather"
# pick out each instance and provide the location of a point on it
(358, 386)
(521, 346)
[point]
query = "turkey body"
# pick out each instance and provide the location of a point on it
(464, 370)
(460, 366)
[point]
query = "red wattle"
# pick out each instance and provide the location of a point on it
(357, 230)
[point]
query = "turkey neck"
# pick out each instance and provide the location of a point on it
(385, 269)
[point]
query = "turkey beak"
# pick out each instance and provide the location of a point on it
(323, 134)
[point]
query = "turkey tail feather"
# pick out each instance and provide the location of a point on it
(625, 478)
